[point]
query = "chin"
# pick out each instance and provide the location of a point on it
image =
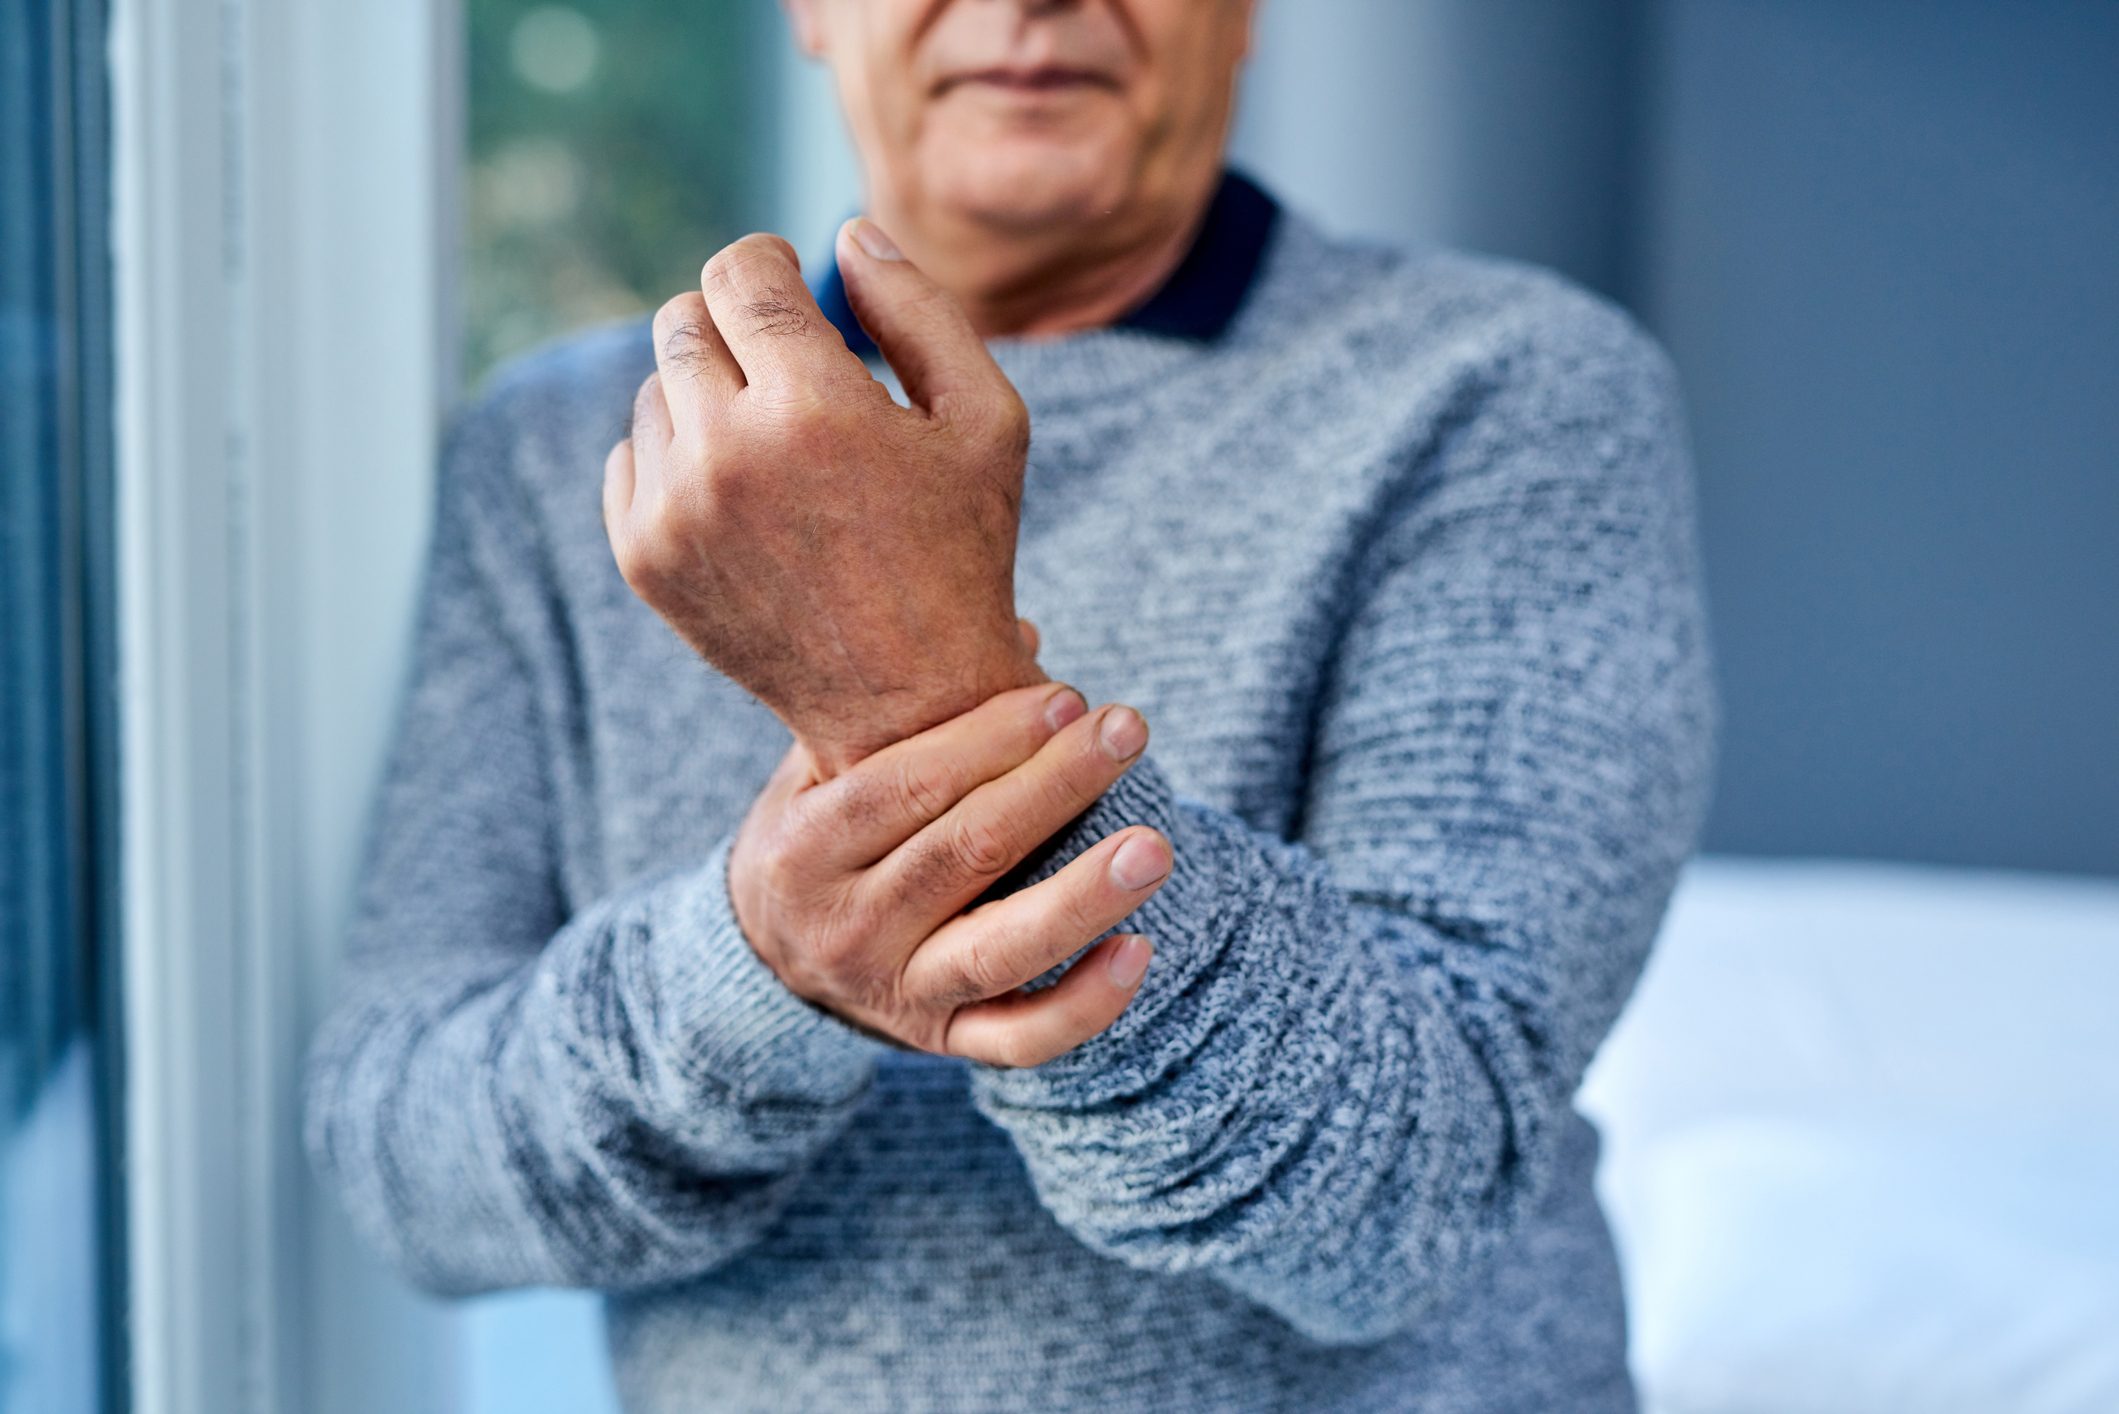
(1029, 181)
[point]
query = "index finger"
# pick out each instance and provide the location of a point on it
(889, 797)
(995, 826)
(769, 319)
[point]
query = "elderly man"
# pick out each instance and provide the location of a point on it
(880, 1025)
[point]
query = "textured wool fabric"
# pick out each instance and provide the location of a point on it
(1401, 572)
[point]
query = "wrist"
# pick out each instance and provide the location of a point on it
(728, 1022)
(837, 746)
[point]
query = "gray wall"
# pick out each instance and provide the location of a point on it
(1882, 242)
(1501, 125)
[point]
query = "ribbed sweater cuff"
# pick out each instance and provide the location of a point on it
(735, 1023)
(1179, 921)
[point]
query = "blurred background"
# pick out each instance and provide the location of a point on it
(1863, 1119)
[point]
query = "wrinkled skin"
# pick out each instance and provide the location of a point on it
(849, 560)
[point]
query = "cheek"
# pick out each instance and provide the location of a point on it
(1191, 61)
(901, 118)
(861, 103)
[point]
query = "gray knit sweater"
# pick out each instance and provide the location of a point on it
(1401, 571)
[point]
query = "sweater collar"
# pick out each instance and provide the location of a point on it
(1196, 304)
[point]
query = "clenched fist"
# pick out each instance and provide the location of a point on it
(848, 560)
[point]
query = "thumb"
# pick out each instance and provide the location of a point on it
(919, 327)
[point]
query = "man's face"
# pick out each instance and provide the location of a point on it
(1028, 114)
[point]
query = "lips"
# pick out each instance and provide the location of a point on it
(1049, 78)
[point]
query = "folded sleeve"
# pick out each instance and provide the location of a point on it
(1340, 1087)
(508, 1092)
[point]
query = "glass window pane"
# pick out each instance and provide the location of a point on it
(613, 147)
(58, 1250)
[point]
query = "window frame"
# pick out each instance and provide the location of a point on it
(282, 180)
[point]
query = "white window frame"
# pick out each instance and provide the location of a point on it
(285, 179)
(282, 179)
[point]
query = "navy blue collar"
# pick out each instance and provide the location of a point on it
(1197, 302)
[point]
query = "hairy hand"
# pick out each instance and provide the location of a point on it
(854, 890)
(848, 560)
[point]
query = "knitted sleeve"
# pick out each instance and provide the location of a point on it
(1340, 1086)
(506, 1095)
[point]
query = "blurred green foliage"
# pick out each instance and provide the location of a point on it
(614, 145)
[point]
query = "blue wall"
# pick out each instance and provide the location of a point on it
(1882, 242)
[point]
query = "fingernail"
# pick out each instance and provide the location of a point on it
(1140, 861)
(1123, 734)
(872, 240)
(1129, 962)
(1066, 706)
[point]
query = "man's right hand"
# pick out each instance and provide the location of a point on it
(854, 889)
(849, 560)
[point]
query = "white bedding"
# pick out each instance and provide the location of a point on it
(1862, 1143)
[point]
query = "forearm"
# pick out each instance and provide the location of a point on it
(1332, 1103)
(628, 1106)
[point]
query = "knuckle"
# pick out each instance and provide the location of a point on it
(861, 799)
(977, 975)
(644, 398)
(682, 328)
(629, 568)
(774, 309)
(763, 280)
(978, 848)
(625, 548)
(678, 311)
(780, 859)
(1005, 423)
(929, 872)
(847, 799)
(653, 565)
(816, 813)
(809, 430)
(794, 414)
(920, 793)
(615, 461)
(764, 246)
(636, 550)
(1014, 419)
(722, 267)
(1014, 1049)
(727, 480)
(686, 494)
